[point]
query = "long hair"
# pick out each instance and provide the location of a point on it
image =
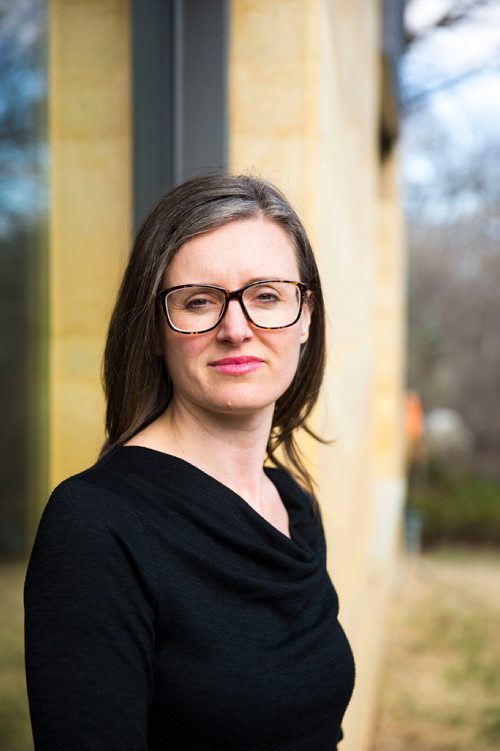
(136, 381)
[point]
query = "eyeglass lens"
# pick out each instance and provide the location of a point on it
(268, 305)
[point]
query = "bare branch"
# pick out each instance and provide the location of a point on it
(459, 11)
(448, 83)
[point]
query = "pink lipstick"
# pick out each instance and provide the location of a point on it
(236, 365)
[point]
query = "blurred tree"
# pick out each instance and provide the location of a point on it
(424, 20)
(448, 14)
(451, 154)
(23, 207)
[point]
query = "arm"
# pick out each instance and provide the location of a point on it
(89, 624)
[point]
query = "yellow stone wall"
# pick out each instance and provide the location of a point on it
(90, 217)
(304, 112)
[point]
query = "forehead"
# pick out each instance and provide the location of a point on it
(234, 254)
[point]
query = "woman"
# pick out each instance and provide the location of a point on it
(177, 595)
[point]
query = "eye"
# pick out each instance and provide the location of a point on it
(198, 303)
(264, 295)
(194, 300)
(268, 296)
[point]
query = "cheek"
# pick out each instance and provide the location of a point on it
(289, 353)
(180, 351)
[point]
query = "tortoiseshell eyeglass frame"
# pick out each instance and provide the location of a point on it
(229, 295)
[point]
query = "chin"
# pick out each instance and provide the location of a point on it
(239, 406)
(238, 401)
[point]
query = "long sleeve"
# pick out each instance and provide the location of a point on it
(90, 598)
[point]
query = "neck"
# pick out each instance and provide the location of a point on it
(230, 448)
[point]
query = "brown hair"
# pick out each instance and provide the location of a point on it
(137, 384)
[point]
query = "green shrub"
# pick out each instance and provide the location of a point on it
(457, 506)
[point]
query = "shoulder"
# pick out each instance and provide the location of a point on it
(92, 505)
(86, 530)
(294, 494)
(84, 497)
(285, 481)
(106, 490)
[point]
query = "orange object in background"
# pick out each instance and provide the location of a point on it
(414, 417)
(414, 427)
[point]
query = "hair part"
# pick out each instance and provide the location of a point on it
(136, 381)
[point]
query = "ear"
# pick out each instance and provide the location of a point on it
(305, 318)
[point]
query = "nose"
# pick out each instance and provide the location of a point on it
(234, 327)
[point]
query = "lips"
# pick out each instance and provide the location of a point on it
(236, 365)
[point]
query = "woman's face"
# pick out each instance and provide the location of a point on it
(232, 256)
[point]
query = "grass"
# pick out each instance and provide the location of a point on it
(15, 730)
(441, 675)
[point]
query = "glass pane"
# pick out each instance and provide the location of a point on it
(23, 223)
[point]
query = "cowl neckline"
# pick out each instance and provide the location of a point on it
(221, 539)
(304, 524)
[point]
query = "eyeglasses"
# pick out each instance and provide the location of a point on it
(197, 308)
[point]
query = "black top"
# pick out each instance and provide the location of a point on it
(164, 612)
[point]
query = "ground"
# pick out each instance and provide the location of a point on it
(15, 733)
(441, 671)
